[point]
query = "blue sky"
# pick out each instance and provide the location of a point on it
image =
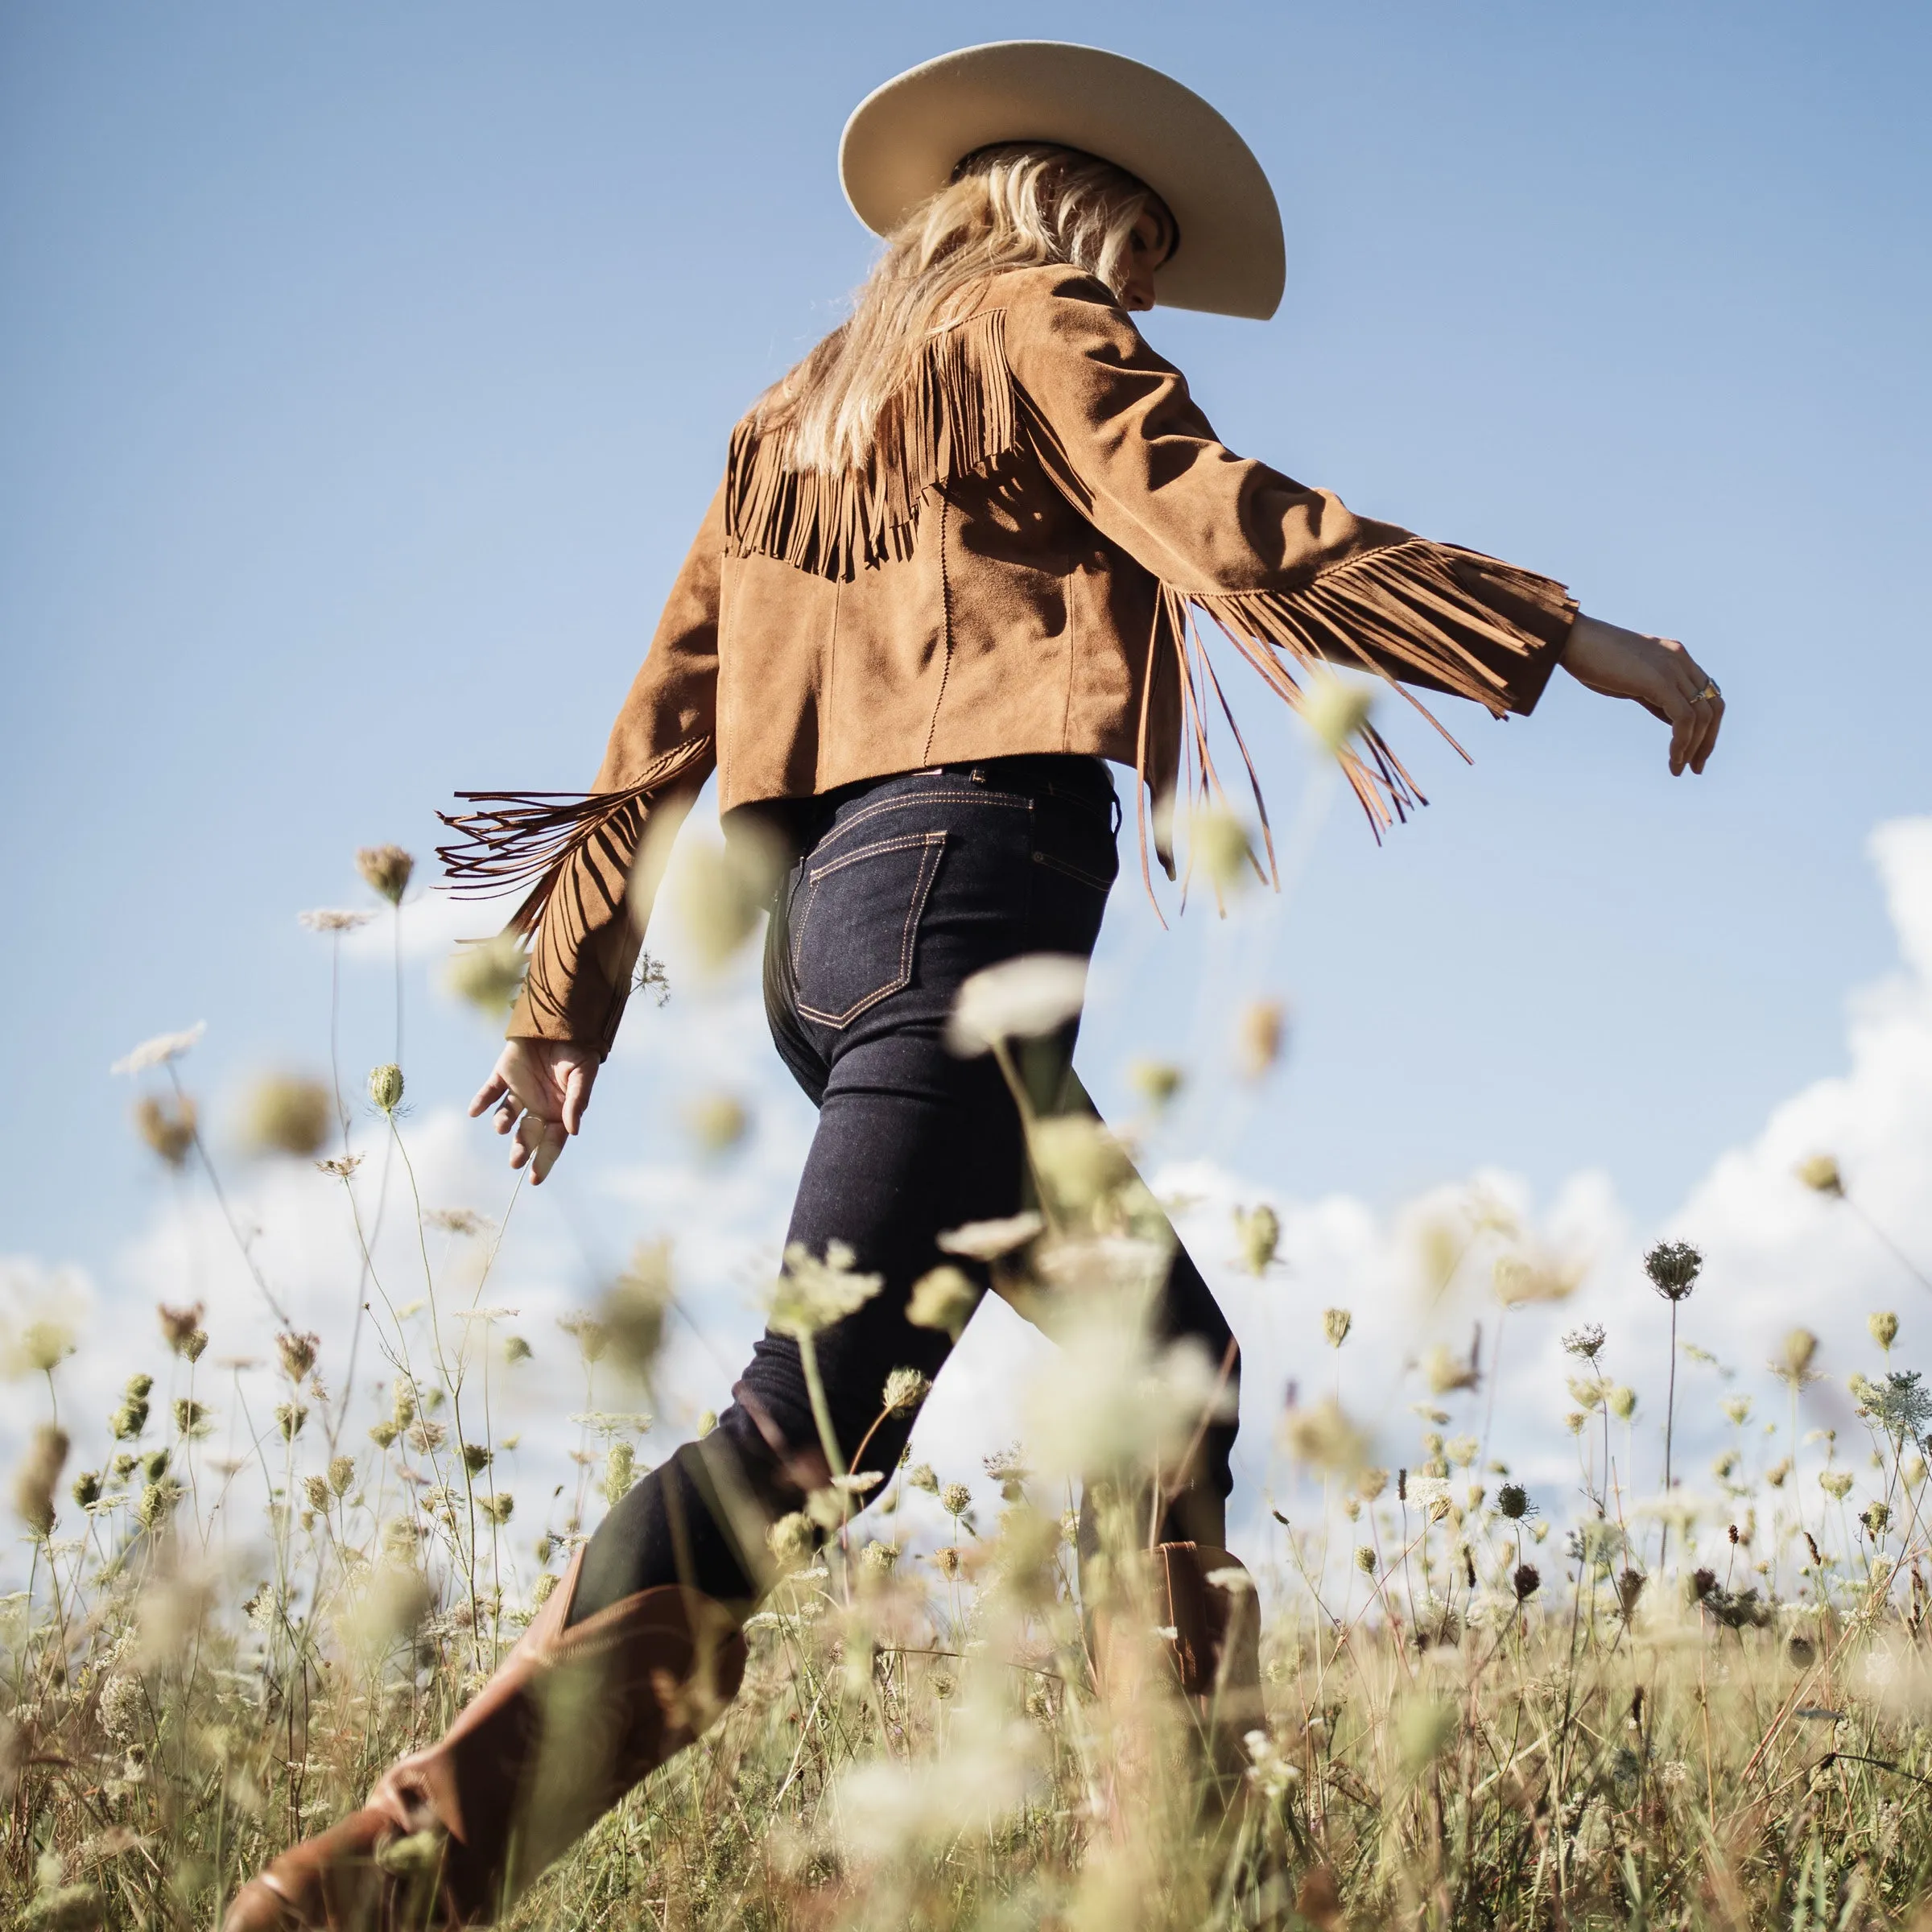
(366, 370)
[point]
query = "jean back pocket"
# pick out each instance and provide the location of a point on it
(853, 937)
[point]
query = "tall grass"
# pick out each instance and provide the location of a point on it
(1482, 1707)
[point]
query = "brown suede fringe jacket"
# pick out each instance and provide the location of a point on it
(1022, 567)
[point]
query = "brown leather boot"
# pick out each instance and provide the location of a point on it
(1215, 1648)
(572, 1719)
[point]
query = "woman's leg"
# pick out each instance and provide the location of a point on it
(912, 1141)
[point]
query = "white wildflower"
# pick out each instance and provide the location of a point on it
(160, 1049)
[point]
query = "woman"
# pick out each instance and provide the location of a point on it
(957, 563)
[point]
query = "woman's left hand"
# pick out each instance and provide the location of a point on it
(1656, 673)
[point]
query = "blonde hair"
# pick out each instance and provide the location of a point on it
(1021, 204)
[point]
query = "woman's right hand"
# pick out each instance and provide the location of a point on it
(539, 1091)
(1656, 673)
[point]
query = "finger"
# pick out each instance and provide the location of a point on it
(506, 1114)
(529, 1137)
(1683, 728)
(1707, 742)
(555, 1139)
(576, 1096)
(488, 1095)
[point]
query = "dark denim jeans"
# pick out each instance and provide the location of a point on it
(905, 887)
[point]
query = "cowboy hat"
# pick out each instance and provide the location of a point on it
(904, 139)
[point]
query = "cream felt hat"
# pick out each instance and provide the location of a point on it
(904, 139)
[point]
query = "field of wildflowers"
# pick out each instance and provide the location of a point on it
(249, 1588)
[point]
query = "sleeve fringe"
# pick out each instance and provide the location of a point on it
(530, 838)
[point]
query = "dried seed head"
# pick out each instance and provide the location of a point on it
(905, 1389)
(956, 1499)
(1258, 1233)
(1335, 1325)
(878, 1560)
(342, 1473)
(87, 1488)
(386, 1087)
(1629, 1588)
(298, 1353)
(317, 1489)
(35, 1479)
(1835, 1482)
(386, 870)
(1623, 1402)
(328, 918)
(793, 1540)
(1673, 1267)
(620, 1470)
(499, 1508)
(287, 1114)
(1820, 1173)
(922, 1477)
(39, 1347)
(1365, 1560)
(1513, 1502)
(1586, 1341)
(1371, 1484)
(168, 1125)
(181, 1327)
(1792, 1366)
(1737, 1410)
(1884, 1329)
(289, 1419)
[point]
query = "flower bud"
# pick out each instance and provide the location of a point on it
(386, 1087)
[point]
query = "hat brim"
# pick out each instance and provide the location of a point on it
(904, 140)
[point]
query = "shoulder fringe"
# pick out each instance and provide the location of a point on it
(530, 838)
(955, 418)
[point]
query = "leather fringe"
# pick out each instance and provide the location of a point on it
(530, 837)
(956, 417)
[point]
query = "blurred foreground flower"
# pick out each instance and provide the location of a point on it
(1528, 1276)
(717, 1122)
(1219, 841)
(168, 1125)
(1112, 1401)
(1821, 1175)
(39, 1473)
(1324, 1437)
(718, 890)
(386, 870)
(488, 974)
(991, 1240)
(812, 1294)
(1258, 1037)
(326, 919)
(1018, 999)
(1157, 1082)
(288, 1114)
(885, 1811)
(635, 1307)
(1335, 710)
(160, 1049)
(942, 1298)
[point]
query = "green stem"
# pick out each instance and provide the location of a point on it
(821, 1410)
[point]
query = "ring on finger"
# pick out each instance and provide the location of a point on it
(1709, 690)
